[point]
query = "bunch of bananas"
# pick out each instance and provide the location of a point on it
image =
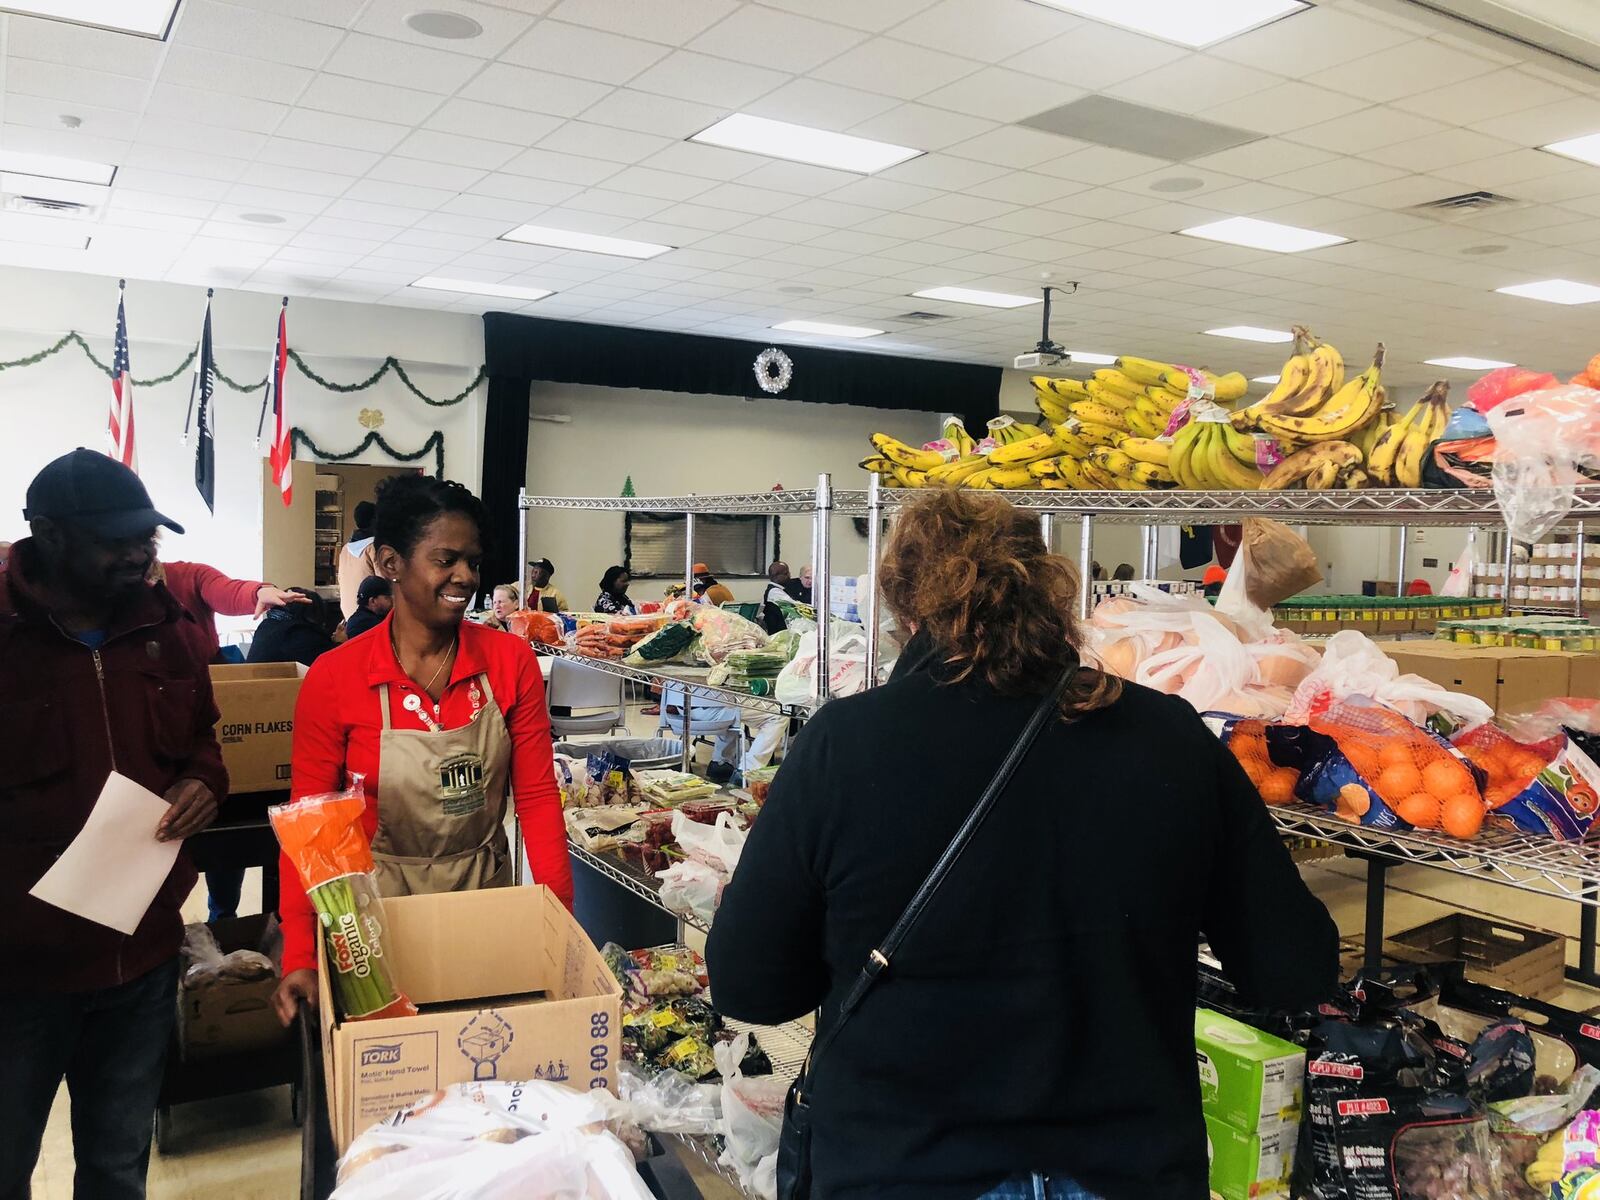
(1212, 455)
(1395, 456)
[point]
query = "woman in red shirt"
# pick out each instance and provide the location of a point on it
(439, 717)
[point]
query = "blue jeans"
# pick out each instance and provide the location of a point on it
(223, 886)
(110, 1046)
(1038, 1187)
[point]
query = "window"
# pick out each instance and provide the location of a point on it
(729, 546)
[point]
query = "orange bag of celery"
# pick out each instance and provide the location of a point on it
(323, 837)
(1414, 774)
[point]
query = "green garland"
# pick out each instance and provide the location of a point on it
(435, 443)
(390, 363)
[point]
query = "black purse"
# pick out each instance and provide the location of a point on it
(794, 1141)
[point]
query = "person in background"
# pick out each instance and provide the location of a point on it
(707, 587)
(505, 601)
(356, 559)
(1123, 573)
(5, 554)
(613, 597)
(295, 633)
(374, 599)
(800, 588)
(727, 762)
(207, 594)
(444, 719)
(1211, 582)
(1097, 573)
(100, 669)
(777, 592)
(543, 572)
(1095, 962)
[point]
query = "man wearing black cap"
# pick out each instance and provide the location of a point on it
(97, 674)
(543, 572)
(374, 599)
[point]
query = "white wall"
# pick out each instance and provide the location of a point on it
(673, 443)
(47, 409)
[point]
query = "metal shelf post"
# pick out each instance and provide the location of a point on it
(1578, 543)
(522, 547)
(869, 609)
(1086, 566)
(1402, 536)
(687, 756)
(821, 579)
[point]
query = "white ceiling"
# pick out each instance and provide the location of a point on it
(392, 156)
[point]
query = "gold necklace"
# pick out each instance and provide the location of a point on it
(427, 687)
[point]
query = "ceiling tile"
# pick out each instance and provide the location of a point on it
(1248, 198)
(945, 172)
(338, 13)
(529, 191)
(965, 209)
(798, 178)
(369, 99)
(921, 126)
(76, 85)
(1546, 123)
(877, 192)
(1402, 70)
(605, 142)
(618, 204)
(1367, 129)
(698, 216)
(672, 24)
(663, 184)
(1011, 146)
(426, 174)
(1444, 148)
(79, 45)
(902, 226)
(473, 118)
(378, 214)
(1194, 83)
(407, 195)
(1283, 107)
(338, 159)
(332, 129)
(143, 179)
(1257, 160)
(586, 53)
(184, 162)
(625, 108)
(685, 75)
(1002, 94)
(384, 61)
(779, 39)
(294, 179)
(1507, 172)
(1100, 164)
(215, 108)
(990, 30)
(564, 168)
(822, 105)
(1493, 95)
(501, 27)
(192, 66)
(895, 68)
(43, 113)
(708, 162)
(252, 33)
(456, 150)
(536, 91)
(1023, 187)
(1097, 55)
(829, 212)
(1314, 39)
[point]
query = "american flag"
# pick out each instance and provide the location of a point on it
(119, 425)
(282, 455)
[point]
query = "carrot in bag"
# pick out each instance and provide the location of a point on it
(323, 837)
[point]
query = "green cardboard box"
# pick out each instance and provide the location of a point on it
(1250, 1166)
(1248, 1078)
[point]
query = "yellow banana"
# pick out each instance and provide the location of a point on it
(980, 481)
(906, 456)
(1386, 448)
(877, 464)
(1110, 377)
(1003, 430)
(1426, 423)
(1241, 445)
(1141, 426)
(1010, 477)
(1146, 371)
(907, 478)
(1338, 419)
(1046, 468)
(1020, 453)
(1113, 460)
(1163, 400)
(1301, 463)
(1183, 446)
(1226, 469)
(1096, 434)
(1229, 387)
(1051, 407)
(1110, 397)
(1322, 476)
(1095, 413)
(1153, 476)
(1148, 450)
(955, 432)
(1096, 479)
(1071, 443)
(1353, 477)
(1069, 389)
(951, 474)
(1070, 472)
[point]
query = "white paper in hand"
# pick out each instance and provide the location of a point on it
(115, 866)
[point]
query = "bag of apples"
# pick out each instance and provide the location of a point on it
(1389, 773)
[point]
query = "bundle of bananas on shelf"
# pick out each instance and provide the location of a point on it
(1208, 454)
(1396, 455)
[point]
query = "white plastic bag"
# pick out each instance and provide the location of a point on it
(718, 846)
(1205, 672)
(752, 1111)
(1353, 666)
(1541, 439)
(692, 888)
(665, 1101)
(1459, 581)
(847, 655)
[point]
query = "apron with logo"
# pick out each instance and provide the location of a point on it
(442, 807)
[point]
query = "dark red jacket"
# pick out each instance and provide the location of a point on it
(207, 593)
(68, 714)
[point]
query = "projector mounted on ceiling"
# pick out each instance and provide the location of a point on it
(1047, 355)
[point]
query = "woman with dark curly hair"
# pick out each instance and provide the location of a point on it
(1033, 1036)
(440, 716)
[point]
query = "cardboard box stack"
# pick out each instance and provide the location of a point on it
(1509, 679)
(1252, 1088)
(256, 730)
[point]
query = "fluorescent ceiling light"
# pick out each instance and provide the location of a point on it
(52, 166)
(1093, 360)
(961, 295)
(594, 243)
(827, 330)
(1264, 378)
(1556, 291)
(1584, 149)
(802, 143)
(1252, 333)
(147, 18)
(1183, 21)
(1465, 362)
(438, 283)
(42, 231)
(1263, 235)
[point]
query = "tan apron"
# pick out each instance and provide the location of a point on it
(442, 802)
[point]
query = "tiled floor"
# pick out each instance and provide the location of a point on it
(247, 1148)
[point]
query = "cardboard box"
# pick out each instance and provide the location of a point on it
(1250, 1166)
(510, 987)
(1248, 1078)
(231, 1016)
(1508, 679)
(1444, 664)
(257, 725)
(1585, 676)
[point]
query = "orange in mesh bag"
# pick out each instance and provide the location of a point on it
(1413, 773)
(1508, 764)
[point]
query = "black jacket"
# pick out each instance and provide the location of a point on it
(1041, 1016)
(360, 621)
(284, 635)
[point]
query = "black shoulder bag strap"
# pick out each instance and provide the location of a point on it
(794, 1146)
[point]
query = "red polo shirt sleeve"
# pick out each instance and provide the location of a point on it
(533, 774)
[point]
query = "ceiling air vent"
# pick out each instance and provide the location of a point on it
(1467, 204)
(922, 317)
(47, 207)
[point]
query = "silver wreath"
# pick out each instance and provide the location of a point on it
(774, 370)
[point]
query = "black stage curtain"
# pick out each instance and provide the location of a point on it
(520, 350)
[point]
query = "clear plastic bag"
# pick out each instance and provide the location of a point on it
(1353, 666)
(669, 1101)
(847, 657)
(752, 1110)
(1542, 438)
(718, 846)
(204, 963)
(692, 888)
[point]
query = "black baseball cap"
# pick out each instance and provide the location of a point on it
(96, 493)
(549, 566)
(372, 587)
